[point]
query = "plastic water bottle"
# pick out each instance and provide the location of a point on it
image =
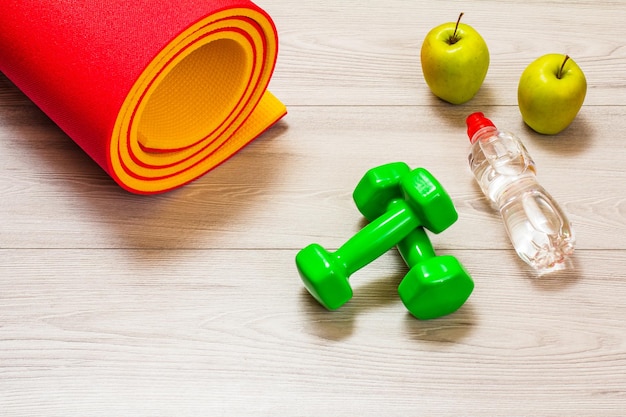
(537, 226)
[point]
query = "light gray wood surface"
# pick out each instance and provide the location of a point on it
(189, 303)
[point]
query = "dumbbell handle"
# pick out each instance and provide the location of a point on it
(416, 247)
(378, 236)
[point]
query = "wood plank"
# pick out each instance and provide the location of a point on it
(295, 183)
(200, 331)
(367, 52)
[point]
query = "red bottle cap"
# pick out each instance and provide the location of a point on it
(475, 122)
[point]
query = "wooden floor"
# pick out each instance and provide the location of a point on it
(189, 303)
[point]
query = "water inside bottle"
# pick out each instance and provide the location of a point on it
(537, 227)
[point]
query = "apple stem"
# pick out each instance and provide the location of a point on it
(560, 73)
(454, 38)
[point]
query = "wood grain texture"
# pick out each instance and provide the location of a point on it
(189, 303)
(369, 53)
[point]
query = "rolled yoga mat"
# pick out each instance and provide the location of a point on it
(157, 92)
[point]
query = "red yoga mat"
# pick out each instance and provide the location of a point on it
(157, 92)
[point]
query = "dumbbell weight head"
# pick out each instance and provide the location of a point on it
(324, 277)
(427, 197)
(435, 286)
(378, 187)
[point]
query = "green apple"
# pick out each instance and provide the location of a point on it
(551, 91)
(455, 60)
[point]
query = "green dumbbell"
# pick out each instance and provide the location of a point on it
(435, 286)
(401, 200)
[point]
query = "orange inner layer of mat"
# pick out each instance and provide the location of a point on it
(197, 103)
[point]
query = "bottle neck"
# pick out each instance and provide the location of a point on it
(485, 132)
